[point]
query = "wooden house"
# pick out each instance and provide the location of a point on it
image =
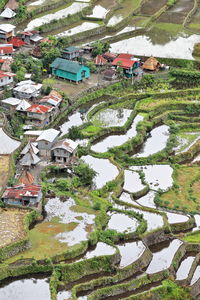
(6, 78)
(64, 150)
(24, 195)
(151, 64)
(71, 53)
(128, 65)
(39, 115)
(110, 74)
(99, 60)
(70, 70)
(6, 31)
(46, 141)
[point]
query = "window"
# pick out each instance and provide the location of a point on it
(46, 143)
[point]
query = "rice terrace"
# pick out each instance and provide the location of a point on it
(99, 149)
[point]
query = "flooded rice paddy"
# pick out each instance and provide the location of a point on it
(196, 275)
(117, 140)
(29, 288)
(156, 142)
(100, 249)
(122, 223)
(73, 120)
(162, 256)
(184, 268)
(67, 214)
(132, 182)
(101, 166)
(130, 252)
(158, 177)
(111, 117)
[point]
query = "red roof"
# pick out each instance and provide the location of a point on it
(110, 55)
(39, 109)
(6, 49)
(29, 33)
(124, 63)
(100, 60)
(17, 42)
(6, 74)
(19, 191)
(125, 55)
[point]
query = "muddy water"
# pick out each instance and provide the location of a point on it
(30, 288)
(184, 268)
(147, 200)
(64, 211)
(196, 275)
(125, 197)
(156, 142)
(122, 223)
(162, 258)
(130, 252)
(132, 182)
(74, 120)
(117, 140)
(111, 117)
(101, 166)
(157, 176)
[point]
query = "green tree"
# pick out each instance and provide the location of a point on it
(85, 173)
(20, 75)
(48, 56)
(92, 66)
(99, 48)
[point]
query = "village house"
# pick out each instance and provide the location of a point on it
(39, 115)
(6, 31)
(13, 104)
(32, 135)
(71, 53)
(6, 64)
(17, 42)
(110, 74)
(24, 195)
(70, 70)
(6, 78)
(64, 150)
(128, 65)
(8, 13)
(53, 99)
(151, 64)
(27, 89)
(109, 56)
(6, 49)
(46, 141)
(29, 155)
(31, 37)
(99, 60)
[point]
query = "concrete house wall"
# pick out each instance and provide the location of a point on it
(5, 81)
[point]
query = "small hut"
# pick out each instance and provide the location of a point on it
(151, 64)
(100, 60)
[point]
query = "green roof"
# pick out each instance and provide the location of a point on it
(66, 65)
(71, 49)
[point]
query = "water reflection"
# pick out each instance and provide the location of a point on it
(184, 268)
(130, 252)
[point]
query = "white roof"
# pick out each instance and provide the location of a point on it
(8, 145)
(48, 135)
(66, 144)
(30, 146)
(11, 101)
(29, 159)
(36, 38)
(7, 27)
(8, 13)
(33, 132)
(23, 105)
(27, 86)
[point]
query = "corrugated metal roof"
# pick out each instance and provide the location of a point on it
(8, 145)
(48, 135)
(66, 65)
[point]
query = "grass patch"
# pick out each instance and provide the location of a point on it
(193, 237)
(182, 197)
(91, 130)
